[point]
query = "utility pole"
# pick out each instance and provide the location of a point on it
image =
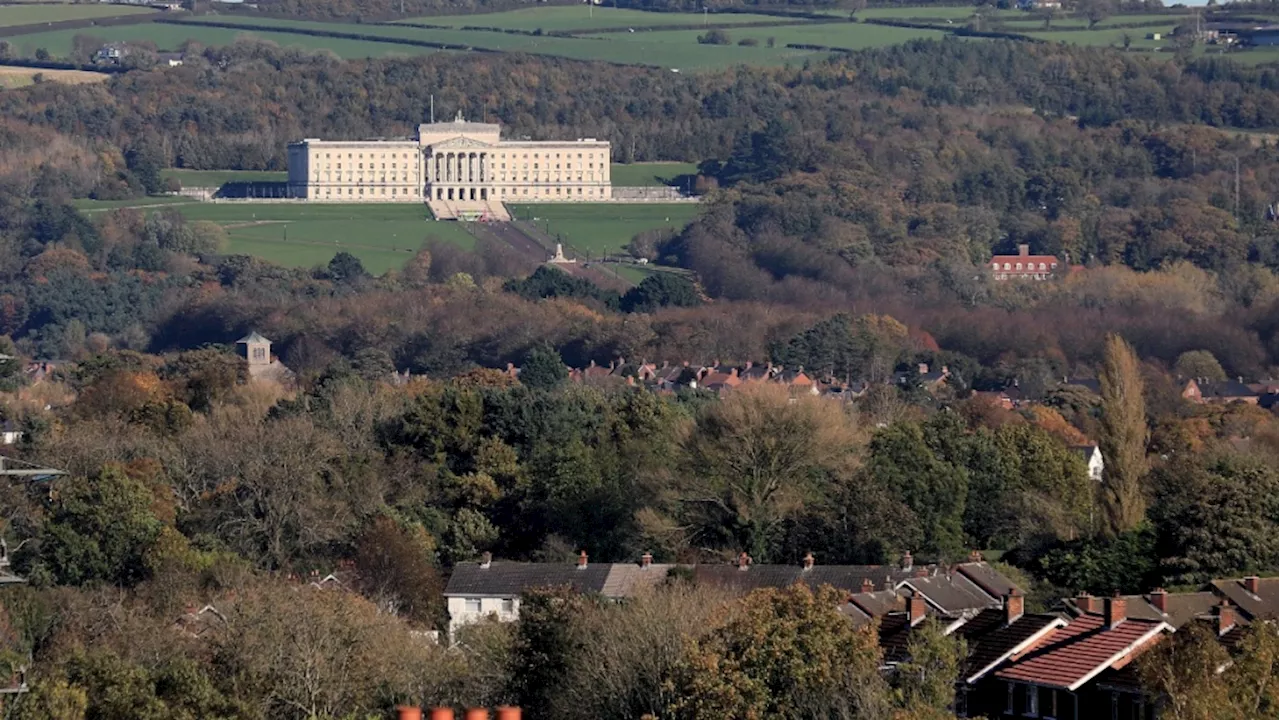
(433, 108)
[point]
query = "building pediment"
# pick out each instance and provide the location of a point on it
(459, 143)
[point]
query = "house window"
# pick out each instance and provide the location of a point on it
(1006, 266)
(1018, 266)
(1051, 705)
(1032, 707)
(473, 605)
(1041, 267)
(259, 353)
(1008, 708)
(508, 605)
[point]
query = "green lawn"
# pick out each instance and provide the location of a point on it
(15, 15)
(1113, 37)
(92, 206)
(171, 37)
(648, 174)
(583, 17)
(637, 273)
(218, 178)
(855, 36)
(306, 235)
(604, 227)
(690, 55)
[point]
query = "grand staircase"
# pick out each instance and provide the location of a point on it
(488, 210)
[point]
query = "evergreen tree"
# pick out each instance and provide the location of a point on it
(1124, 437)
(544, 369)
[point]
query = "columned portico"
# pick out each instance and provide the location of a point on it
(459, 168)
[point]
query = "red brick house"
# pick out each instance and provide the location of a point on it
(1024, 266)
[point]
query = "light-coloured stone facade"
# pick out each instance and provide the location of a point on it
(458, 163)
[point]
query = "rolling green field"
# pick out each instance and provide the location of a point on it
(15, 15)
(171, 37)
(218, 178)
(583, 17)
(648, 174)
(604, 227)
(854, 36)
(690, 55)
(1110, 38)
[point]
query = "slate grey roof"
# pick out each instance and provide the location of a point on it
(1227, 389)
(842, 577)
(876, 604)
(953, 594)
(987, 578)
(1262, 606)
(252, 338)
(1180, 608)
(510, 579)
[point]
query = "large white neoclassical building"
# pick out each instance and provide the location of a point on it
(458, 168)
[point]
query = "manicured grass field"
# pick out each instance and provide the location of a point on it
(584, 17)
(170, 37)
(604, 227)
(855, 36)
(689, 56)
(306, 235)
(648, 174)
(15, 15)
(218, 178)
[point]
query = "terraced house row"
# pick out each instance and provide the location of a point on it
(1073, 662)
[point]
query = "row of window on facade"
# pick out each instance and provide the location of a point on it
(360, 178)
(1030, 266)
(360, 166)
(328, 192)
(473, 605)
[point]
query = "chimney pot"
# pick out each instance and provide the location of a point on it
(867, 585)
(646, 560)
(477, 714)
(906, 560)
(409, 712)
(808, 561)
(922, 368)
(1087, 603)
(441, 713)
(915, 607)
(1114, 611)
(582, 560)
(507, 712)
(1160, 599)
(1251, 584)
(486, 560)
(1224, 618)
(975, 557)
(744, 560)
(1013, 604)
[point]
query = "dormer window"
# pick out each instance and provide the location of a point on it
(1006, 266)
(1017, 266)
(995, 266)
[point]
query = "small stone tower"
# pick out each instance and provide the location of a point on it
(257, 351)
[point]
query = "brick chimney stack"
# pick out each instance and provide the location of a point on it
(1251, 584)
(1224, 618)
(409, 712)
(1087, 603)
(582, 560)
(975, 557)
(1012, 606)
(906, 560)
(486, 560)
(807, 561)
(1024, 250)
(915, 607)
(476, 713)
(1160, 600)
(439, 713)
(646, 560)
(1113, 611)
(744, 561)
(867, 585)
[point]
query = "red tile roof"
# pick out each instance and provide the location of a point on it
(1085, 647)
